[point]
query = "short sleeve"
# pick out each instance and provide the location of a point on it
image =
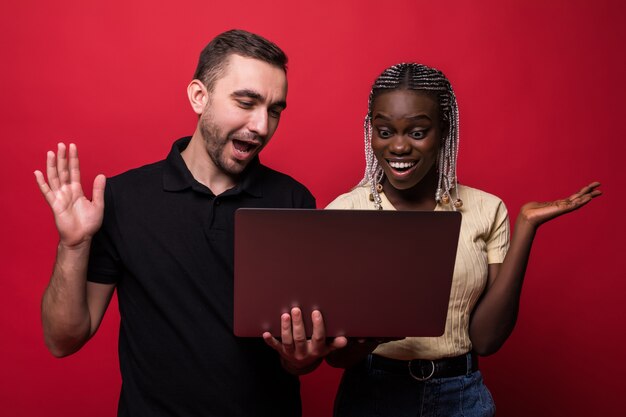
(342, 202)
(355, 199)
(104, 260)
(498, 239)
(305, 200)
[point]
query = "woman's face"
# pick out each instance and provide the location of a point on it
(406, 135)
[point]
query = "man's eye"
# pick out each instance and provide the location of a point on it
(245, 104)
(418, 134)
(275, 114)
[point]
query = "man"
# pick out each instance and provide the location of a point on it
(162, 235)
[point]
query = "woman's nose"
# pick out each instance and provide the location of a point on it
(400, 145)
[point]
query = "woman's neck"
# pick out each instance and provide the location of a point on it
(419, 197)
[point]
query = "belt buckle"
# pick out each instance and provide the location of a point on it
(432, 372)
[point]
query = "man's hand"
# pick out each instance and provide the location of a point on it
(77, 219)
(299, 355)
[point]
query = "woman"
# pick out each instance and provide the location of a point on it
(411, 143)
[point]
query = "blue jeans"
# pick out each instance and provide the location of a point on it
(367, 392)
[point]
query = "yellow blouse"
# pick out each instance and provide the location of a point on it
(484, 239)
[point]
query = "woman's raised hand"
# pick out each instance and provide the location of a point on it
(536, 213)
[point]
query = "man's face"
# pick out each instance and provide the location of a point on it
(242, 112)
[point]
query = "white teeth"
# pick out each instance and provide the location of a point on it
(241, 146)
(401, 165)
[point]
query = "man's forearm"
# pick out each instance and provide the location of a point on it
(64, 308)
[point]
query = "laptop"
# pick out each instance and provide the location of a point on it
(371, 273)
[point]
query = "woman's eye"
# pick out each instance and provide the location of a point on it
(418, 134)
(384, 134)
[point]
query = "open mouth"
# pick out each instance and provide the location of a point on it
(243, 147)
(401, 166)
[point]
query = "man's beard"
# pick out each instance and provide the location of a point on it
(215, 142)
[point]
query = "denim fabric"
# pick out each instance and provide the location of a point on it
(367, 392)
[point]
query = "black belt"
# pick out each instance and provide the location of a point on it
(424, 369)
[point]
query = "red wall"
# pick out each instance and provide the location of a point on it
(540, 86)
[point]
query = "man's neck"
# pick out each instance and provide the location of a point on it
(203, 168)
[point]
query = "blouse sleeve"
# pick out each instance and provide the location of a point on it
(498, 239)
(342, 202)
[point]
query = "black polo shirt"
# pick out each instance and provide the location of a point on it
(167, 243)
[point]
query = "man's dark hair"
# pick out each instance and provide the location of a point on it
(213, 58)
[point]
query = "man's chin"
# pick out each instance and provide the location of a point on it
(235, 167)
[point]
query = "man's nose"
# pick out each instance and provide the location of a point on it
(259, 122)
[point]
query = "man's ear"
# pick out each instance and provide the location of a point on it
(198, 96)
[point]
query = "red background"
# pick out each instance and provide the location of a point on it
(540, 86)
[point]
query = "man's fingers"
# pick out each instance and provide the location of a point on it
(43, 187)
(319, 330)
(98, 190)
(286, 336)
(62, 163)
(299, 332)
(320, 346)
(271, 341)
(338, 343)
(72, 163)
(51, 171)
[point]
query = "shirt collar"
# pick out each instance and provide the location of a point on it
(177, 177)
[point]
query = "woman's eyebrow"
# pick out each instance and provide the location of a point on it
(416, 117)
